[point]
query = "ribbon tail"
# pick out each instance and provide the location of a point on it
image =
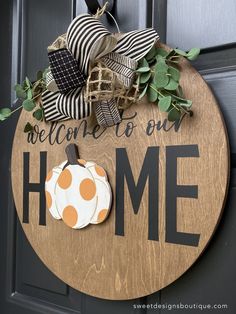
(51, 83)
(123, 66)
(107, 113)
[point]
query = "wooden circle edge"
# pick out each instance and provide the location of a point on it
(207, 243)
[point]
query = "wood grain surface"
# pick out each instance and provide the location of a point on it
(96, 261)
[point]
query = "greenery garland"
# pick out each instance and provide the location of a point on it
(158, 78)
(29, 93)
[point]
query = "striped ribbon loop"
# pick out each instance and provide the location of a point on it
(73, 105)
(87, 41)
(51, 112)
(88, 38)
(137, 44)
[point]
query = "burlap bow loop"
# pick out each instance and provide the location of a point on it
(87, 44)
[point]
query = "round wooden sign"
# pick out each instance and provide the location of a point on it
(169, 183)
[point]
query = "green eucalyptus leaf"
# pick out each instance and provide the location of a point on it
(28, 104)
(143, 63)
(172, 85)
(180, 52)
(165, 103)
(24, 85)
(174, 114)
(39, 75)
(193, 54)
(28, 83)
(179, 99)
(152, 94)
(144, 77)
(20, 93)
(161, 80)
(151, 54)
(159, 58)
(180, 92)
(143, 70)
(162, 52)
(17, 86)
(29, 94)
(4, 113)
(143, 92)
(161, 66)
(2, 118)
(187, 104)
(38, 114)
(28, 128)
(175, 74)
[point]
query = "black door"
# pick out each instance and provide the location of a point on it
(26, 28)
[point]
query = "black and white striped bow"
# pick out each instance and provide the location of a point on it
(87, 41)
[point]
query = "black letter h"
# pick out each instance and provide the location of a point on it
(35, 187)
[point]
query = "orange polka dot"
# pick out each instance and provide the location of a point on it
(48, 199)
(102, 215)
(65, 179)
(82, 162)
(70, 216)
(49, 176)
(100, 171)
(87, 189)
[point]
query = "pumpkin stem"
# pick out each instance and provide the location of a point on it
(72, 153)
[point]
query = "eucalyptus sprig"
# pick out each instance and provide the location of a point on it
(28, 93)
(158, 78)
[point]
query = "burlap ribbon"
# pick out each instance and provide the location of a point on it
(74, 57)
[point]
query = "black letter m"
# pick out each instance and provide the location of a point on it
(149, 171)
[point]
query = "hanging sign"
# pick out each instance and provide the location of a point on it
(169, 183)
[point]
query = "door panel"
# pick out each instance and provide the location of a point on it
(224, 87)
(28, 280)
(204, 23)
(42, 22)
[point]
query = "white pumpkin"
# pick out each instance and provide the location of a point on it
(50, 185)
(104, 193)
(79, 193)
(76, 196)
